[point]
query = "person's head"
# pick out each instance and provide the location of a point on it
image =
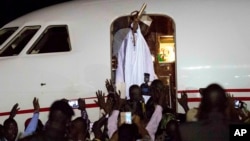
(10, 129)
(156, 84)
(60, 115)
(213, 99)
(78, 127)
(135, 93)
(128, 132)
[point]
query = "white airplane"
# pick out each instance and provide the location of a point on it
(65, 51)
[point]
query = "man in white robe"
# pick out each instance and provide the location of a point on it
(134, 59)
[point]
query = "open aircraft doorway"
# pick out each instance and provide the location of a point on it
(159, 33)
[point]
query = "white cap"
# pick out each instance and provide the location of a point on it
(146, 20)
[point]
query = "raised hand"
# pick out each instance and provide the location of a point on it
(105, 105)
(14, 111)
(118, 101)
(230, 99)
(229, 95)
(100, 99)
(108, 106)
(82, 104)
(36, 105)
(183, 101)
(109, 86)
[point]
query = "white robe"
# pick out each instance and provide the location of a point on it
(119, 37)
(134, 61)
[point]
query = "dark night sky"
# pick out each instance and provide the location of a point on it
(11, 9)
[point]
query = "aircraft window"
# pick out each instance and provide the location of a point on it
(5, 33)
(19, 41)
(53, 39)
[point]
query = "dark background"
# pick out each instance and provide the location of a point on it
(11, 9)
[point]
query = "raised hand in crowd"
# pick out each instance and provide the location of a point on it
(183, 101)
(100, 99)
(33, 125)
(14, 110)
(118, 102)
(109, 86)
(105, 105)
(108, 106)
(82, 104)
(231, 111)
(36, 105)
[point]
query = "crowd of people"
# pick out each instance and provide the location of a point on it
(134, 119)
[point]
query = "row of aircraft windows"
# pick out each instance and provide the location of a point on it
(53, 39)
